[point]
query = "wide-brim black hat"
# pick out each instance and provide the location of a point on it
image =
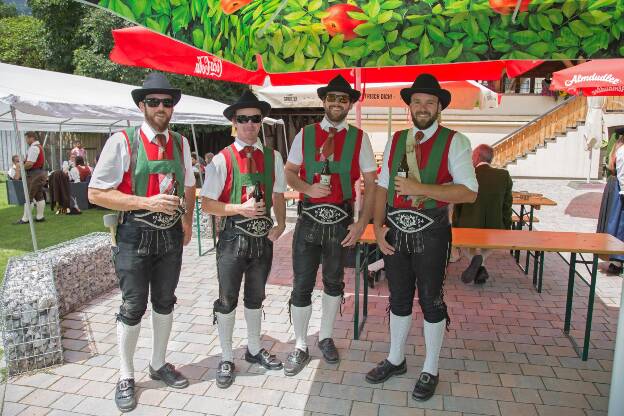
(156, 83)
(247, 100)
(339, 84)
(427, 84)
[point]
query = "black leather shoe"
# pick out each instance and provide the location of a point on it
(329, 350)
(425, 387)
(225, 374)
(469, 275)
(296, 361)
(384, 371)
(614, 269)
(482, 276)
(171, 376)
(266, 360)
(39, 219)
(19, 222)
(124, 395)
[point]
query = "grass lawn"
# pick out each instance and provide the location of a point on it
(16, 239)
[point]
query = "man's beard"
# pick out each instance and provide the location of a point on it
(157, 123)
(336, 119)
(426, 124)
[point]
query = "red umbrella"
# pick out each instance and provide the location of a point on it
(597, 77)
(138, 46)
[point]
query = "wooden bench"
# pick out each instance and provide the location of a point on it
(538, 242)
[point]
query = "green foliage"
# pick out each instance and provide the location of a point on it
(60, 19)
(395, 32)
(7, 10)
(21, 41)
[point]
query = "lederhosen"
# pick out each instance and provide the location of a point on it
(419, 231)
(148, 256)
(37, 177)
(243, 247)
(323, 222)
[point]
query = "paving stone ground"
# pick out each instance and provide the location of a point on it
(505, 353)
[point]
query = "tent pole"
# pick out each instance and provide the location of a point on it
(616, 399)
(358, 105)
(285, 138)
(389, 123)
(24, 181)
(201, 180)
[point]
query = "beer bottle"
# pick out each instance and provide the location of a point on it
(403, 167)
(257, 192)
(325, 174)
(403, 171)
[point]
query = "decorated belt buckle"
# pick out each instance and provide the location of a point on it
(255, 227)
(159, 220)
(325, 214)
(409, 221)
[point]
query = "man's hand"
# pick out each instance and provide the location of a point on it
(355, 232)
(163, 203)
(187, 228)
(380, 235)
(407, 186)
(251, 208)
(276, 231)
(318, 191)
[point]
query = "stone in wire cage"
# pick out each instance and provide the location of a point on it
(40, 287)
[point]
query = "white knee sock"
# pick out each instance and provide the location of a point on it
(328, 317)
(434, 335)
(161, 329)
(27, 208)
(40, 208)
(399, 329)
(127, 338)
(253, 317)
(301, 319)
(225, 324)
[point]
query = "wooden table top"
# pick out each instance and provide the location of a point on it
(533, 199)
(568, 242)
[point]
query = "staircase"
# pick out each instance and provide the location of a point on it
(567, 116)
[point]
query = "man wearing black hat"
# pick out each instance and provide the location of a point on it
(324, 163)
(146, 174)
(416, 238)
(242, 183)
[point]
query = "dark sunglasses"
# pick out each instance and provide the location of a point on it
(256, 118)
(343, 99)
(155, 102)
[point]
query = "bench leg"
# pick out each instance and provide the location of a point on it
(540, 275)
(198, 224)
(356, 299)
(571, 274)
(590, 308)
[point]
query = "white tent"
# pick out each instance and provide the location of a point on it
(46, 100)
(34, 99)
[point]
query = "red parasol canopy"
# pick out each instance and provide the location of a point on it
(597, 77)
(138, 46)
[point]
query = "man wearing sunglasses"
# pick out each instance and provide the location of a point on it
(325, 226)
(245, 246)
(145, 173)
(412, 226)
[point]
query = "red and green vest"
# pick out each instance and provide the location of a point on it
(433, 172)
(38, 164)
(143, 181)
(345, 167)
(238, 178)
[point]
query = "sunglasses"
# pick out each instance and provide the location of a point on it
(155, 102)
(242, 119)
(343, 99)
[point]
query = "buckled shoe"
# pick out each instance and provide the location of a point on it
(266, 360)
(384, 370)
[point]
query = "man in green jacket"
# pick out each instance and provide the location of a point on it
(492, 209)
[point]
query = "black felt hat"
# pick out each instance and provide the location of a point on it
(156, 83)
(427, 84)
(247, 100)
(339, 84)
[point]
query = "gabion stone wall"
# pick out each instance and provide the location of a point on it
(40, 287)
